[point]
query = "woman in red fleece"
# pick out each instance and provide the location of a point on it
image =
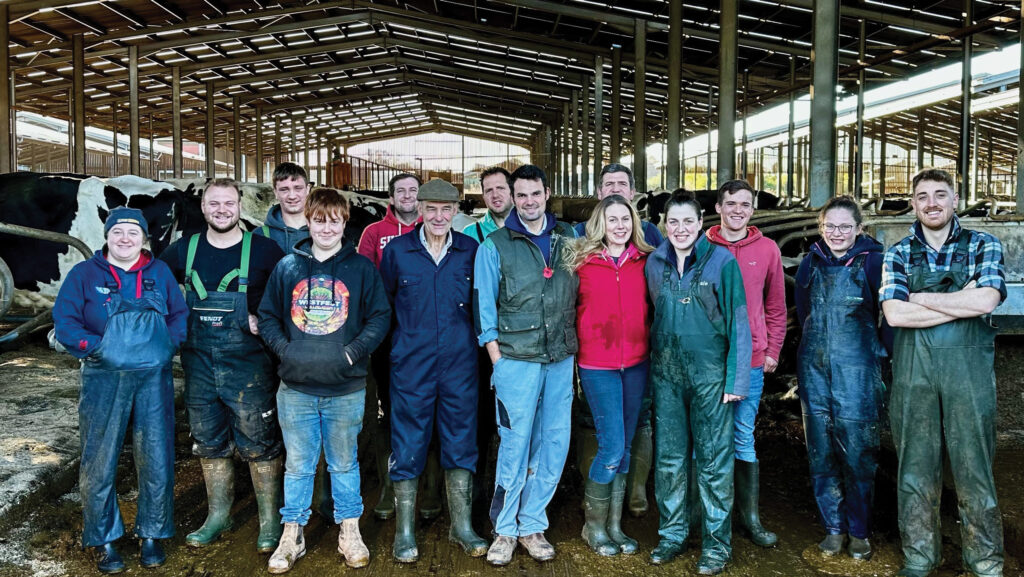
(612, 321)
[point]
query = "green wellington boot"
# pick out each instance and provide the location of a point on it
(430, 497)
(268, 485)
(595, 514)
(459, 483)
(747, 484)
(220, 494)
(405, 550)
(627, 545)
(639, 470)
(385, 508)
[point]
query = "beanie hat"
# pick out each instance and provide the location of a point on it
(125, 215)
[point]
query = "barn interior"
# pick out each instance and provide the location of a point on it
(807, 99)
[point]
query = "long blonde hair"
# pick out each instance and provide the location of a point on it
(592, 241)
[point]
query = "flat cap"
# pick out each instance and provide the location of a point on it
(438, 190)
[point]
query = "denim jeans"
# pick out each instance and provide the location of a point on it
(614, 397)
(746, 415)
(309, 423)
(534, 407)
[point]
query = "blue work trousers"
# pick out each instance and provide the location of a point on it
(309, 424)
(107, 402)
(534, 405)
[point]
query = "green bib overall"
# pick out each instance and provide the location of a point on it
(945, 387)
(688, 372)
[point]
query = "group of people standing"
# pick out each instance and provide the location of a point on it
(277, 328)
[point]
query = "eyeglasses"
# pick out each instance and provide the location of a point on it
(843, 228)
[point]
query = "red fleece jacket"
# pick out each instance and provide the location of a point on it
(765, 284)
(613, 315)
(379, 234)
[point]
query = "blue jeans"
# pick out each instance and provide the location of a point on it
(614, 397)
(310, 423)
(746, 415)
(533, 405)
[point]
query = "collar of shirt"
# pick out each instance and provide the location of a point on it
(444, 250)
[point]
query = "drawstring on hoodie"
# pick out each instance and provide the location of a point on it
(138, 280)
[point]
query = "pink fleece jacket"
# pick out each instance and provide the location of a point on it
(765, 285)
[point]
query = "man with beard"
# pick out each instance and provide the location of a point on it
(402, 216)
(497, 194)
(939, 288)
(286, 222)
(229, 376)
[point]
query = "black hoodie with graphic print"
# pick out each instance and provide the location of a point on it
(323, 319)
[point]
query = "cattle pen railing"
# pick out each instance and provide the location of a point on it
(7, 279)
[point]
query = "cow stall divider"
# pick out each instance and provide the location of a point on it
(11, 339)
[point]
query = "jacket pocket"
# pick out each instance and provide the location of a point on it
(314, 362)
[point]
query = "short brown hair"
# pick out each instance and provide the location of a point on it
(223, 183)
(933, 175)
(845, 203)
(734, 186)
(324, 201)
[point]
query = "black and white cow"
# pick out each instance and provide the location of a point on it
(76, 205)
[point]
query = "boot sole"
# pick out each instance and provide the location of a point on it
(477, 552)
(383, 515)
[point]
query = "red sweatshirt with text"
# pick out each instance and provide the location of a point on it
(379, 234)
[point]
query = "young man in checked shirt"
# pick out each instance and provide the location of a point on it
(939, 287)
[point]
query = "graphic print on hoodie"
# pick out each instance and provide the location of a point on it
(319, 305)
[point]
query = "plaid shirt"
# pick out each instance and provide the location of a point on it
(985, 267)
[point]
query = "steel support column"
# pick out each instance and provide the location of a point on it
(211, 160)
(1019, 184)
(598, 120)
(135, 158)
(964, 153)
(727, 64)
(744, 160)
(825, 61)
(236, 128)
(711, 100)
(259, 144)
(640, 106)
(277, 141)
(566, 150)
(616, 112)
(115, 161)
(858, 146)
(585, 141)
(791, 137)
(920, 139)
(78, 102)
(574, 139)
(882, 160)
(176, 141)
(7, 143)
(675, 73)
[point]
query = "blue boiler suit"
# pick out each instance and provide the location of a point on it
(433, 353)
(125, 326)
(840, 384)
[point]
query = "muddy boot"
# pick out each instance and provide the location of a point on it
(291, 548)
(832, 544)
(627, 545)
(595, 514)
(708, 565)
(430, 499)
(323, 502)
(459, 483)
(860, 549)
(151, 553)
(268, 485)
(350, 544)
(108, 560)
(639, 470)
(747, 483)
(405, 521)
(220, 494)
(385, 508)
